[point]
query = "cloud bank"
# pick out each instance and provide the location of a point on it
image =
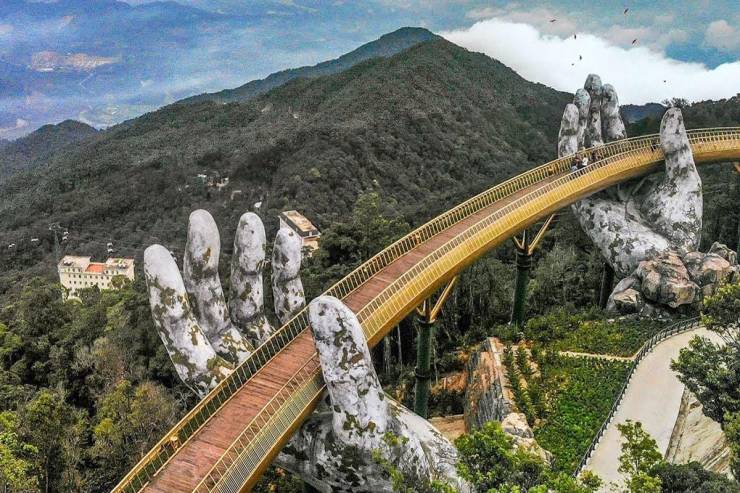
(640, 74)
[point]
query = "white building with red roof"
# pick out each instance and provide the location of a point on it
(76, 273)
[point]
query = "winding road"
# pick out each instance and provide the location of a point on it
(653, 398)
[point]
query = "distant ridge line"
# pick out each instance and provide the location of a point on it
(386, 46)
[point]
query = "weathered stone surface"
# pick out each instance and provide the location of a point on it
(698, 438)
(593, 130)
(195, 360)
(665, 280)
(724, 251)
(334, 449)
(515, 425)
(674, 207)
(569, 130)
(245, 302)
(200, 269)
(488, 397)
(612, 125)
(657, 219)
(287, 287)
(487, 393)
(361, 419)
(628, 301)
(708, 270)
(583, 102)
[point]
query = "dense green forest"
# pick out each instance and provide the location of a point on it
(86, 388)
(38, 147)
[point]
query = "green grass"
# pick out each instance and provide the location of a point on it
(588, 334)
(570, 399)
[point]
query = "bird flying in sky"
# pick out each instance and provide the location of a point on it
(626, 10)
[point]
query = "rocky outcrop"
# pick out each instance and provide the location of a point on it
(668, 284)
(515, 425)
(487, 394)
(698, 438)
(488, 397)
(647, 230)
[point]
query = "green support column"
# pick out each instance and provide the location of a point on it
(607, 282)
(523, 264)
(424, 339)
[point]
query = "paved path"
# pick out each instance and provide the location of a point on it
(653, 398)
(608, 357)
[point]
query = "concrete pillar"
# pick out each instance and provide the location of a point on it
(523, 265)
(607, 283)
(424, 341)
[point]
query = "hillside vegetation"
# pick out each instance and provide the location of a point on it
(426, 128)
(34, 149)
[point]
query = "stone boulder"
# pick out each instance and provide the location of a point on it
(708, 270)
(697, 438)
(724, 251)
(626, 297)
(515, 425)
(665, 280)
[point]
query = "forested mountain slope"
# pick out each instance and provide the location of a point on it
(32, 150)
(425, 128)
(385, 46)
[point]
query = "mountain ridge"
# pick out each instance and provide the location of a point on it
(387, 45)
(27, 152)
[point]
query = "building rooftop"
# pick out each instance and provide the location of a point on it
(300, 223)
(84, 263)
(96, 268)
(74, 261)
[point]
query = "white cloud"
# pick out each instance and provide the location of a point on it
(638, 73)
(721, 35)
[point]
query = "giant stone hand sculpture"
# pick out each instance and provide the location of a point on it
(337, 448)
(647, 230)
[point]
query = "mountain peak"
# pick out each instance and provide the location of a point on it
(386, 46)
(33, 149)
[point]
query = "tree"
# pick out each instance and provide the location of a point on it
(712, 371)
(129, 421)
(693, 478)
(639, 457)
(491, 462)
(46, 421)
(16, 457)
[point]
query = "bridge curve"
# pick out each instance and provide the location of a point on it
(229, 438)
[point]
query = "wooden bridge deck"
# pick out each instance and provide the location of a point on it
(198, 455)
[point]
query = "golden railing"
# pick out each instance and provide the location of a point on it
(617, 161)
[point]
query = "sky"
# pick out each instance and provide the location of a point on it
(154, 53)
(687, 49)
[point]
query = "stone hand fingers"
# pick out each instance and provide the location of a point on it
(194, 357)
(246, 303)
(287, 288)
(203, 284)
(359, 406)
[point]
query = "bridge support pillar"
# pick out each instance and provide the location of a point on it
(524, 251)
(607, 282)
(426, 316)
(422, 372)
(523, 265)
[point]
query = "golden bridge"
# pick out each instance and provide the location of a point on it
(227, 441)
